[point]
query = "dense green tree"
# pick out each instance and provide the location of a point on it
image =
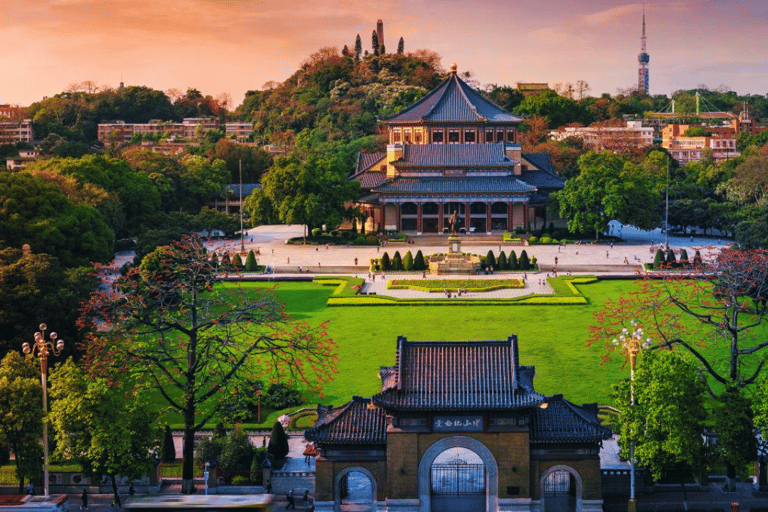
(401, 46)
(666, 422)
(37, 212)
(174, 330)
(386, 264)
(505, 96)
(524, 263)
(513, 263)
(557, 110)
(313, 193)
(250, 262)
(375, 43)
(608, 187)
(736, 443)
(490, 259)
(109, 432)
(21, 415)
(35, 289)
(253, 161)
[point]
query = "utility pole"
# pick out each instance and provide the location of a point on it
(242, 242)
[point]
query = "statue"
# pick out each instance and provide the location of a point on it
(452, 221)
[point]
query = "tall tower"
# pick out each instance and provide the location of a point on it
(643, 58)
(380, 35)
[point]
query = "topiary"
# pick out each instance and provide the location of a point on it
(513, 263)
(214, 260)
(658, 259)
(237, 261)
(251, 265)
(671, 261)
(397, 261)
(524, 262)
(684, 257)
(386, 264)
(225, 261)
(278, 442)
(697, 258)
(502, 261)
(490, 259)
(168, 449)
(408, 262)
(418, 261)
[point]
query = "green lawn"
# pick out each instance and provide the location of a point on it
(550, 337)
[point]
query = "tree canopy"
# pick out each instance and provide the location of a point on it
(173, 328)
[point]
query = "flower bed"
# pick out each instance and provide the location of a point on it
(452, 285)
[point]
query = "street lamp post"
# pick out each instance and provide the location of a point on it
(42, 349)
(632, 343)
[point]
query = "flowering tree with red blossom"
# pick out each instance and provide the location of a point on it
(715, 315)
(170, 325)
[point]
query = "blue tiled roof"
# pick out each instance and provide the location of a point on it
(234, 189)
(457, 185)
(370, 179)
(454, 155)
(541, 160)
(544, 177)
(564, 422)
(355, 422)
(366, 160)
(454, 101)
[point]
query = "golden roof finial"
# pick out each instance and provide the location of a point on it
(454, 68)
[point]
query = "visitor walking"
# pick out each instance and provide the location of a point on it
(84, 497)
(291, 500)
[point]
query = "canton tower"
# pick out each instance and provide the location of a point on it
(643, 58)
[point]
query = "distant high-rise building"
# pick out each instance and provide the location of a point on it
(380, 35)
(643, 58)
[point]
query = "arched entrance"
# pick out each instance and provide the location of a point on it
(354, 489)
(458, 481)
(478, 480)
(561, 490)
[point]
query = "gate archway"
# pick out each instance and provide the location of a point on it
(350, 488)
(561, 489)
(490, 473)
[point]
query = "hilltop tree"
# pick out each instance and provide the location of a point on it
(400, 46)
(174, 329)
(358, 47)
(375, 43)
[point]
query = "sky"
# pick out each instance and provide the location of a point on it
(232, 46)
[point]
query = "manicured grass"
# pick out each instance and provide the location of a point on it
(550, 337)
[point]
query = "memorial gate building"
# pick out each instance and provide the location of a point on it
(458, 426)
(455, 151)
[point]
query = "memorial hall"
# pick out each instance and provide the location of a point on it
(455, 151)
(458, 426)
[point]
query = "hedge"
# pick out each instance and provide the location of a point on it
(343, 285)
(452, 285)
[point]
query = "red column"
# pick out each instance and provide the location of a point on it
(466, 217)
(418, 219)
(511, 216)
(381, 218)
(440, 218)
(488, 223)
(398, 221)
(526, 215)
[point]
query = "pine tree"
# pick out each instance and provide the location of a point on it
(358, 47)
(225, 261)
(400, 46)
(671, 261)
(502, 261)
(658, 259)
(408, 262)
(684, 257)
(375, 43)
(345, 51)
(251, 265)
(168, 450)
(525, 263)
(397, 261)
(418, 261)
(237, 261)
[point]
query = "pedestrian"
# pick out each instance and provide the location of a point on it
(288, 260)
(269, 486)
(131, 490)
(355, 261)
(606, 254)
(273, 251)
(318, 264)
(306, 497)
(84, 497)
(611, 245)
(291, 501)
(31, 488)
(316, 249)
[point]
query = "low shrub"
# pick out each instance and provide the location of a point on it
(240, 480)
(546, 240)
(317, 232)
(360, 240)
(533, 240)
